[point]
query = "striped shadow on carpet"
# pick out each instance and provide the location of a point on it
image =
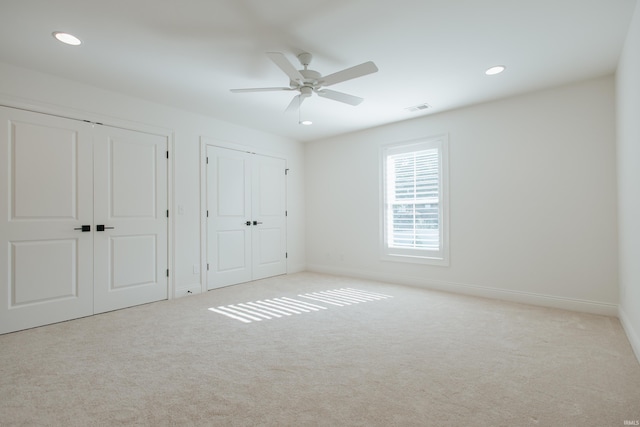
(275, 308)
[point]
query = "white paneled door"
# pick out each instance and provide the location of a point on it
(130, 216)
(46, 186)
(61, 179)
(268, 226)
(246, 216)
(228, 217)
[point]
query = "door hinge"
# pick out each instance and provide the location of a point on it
(167, 272)
(286, 171)
(207, 160)
(286, 213)
(167, 154)
(207, 266)
(207, 213)
(167, 213)
(286, 254)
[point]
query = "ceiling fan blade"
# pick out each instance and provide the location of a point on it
(283, 63)
(349, 73)
(295, 103)
(339, 96)
(262, 89)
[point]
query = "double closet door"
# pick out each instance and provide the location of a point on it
(246, 217)
(83, 219)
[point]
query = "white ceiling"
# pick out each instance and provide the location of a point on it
(189, 53)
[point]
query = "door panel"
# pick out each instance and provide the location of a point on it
(46, 265)
(130, 192)
(228, 206)
(134, 261)
(35, 148)
(134, 175)
(269, 184)
(269, 245)
(232, 185)
(42, 271)
(231, 250)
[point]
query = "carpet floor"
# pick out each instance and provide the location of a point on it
(317, 350)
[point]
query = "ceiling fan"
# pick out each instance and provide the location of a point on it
(308, 81)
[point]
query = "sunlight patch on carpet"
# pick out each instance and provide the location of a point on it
(274, 308)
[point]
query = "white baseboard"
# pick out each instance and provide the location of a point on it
(632, 334)
(188, 290)
(531, 298)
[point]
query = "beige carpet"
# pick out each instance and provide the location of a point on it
(419, 358)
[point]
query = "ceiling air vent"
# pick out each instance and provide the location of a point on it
(420, 107)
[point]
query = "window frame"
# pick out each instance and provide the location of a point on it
(438, 257)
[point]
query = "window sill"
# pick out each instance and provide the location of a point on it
(441, 262)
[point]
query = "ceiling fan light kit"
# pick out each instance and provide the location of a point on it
(307, 82)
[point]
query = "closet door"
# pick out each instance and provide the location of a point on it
(268, 207)
(130, 214)
(246, 217)
(46, 197)
(228, 217)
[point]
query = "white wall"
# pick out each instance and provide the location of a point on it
(628, 113)
(21, 87)
(532, 200)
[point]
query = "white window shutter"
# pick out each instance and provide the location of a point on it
(413, 200)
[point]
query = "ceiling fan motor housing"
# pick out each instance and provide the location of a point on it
(311, 78)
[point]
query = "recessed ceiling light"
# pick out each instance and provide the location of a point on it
(495, 70)
(67, 38)
(306, 122)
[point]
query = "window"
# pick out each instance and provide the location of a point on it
(415, 208)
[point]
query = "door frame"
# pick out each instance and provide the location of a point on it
(206, 141)
(98, 119)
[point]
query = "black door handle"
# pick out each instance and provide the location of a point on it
(101, 227)
(84, 228)
(256, 222)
